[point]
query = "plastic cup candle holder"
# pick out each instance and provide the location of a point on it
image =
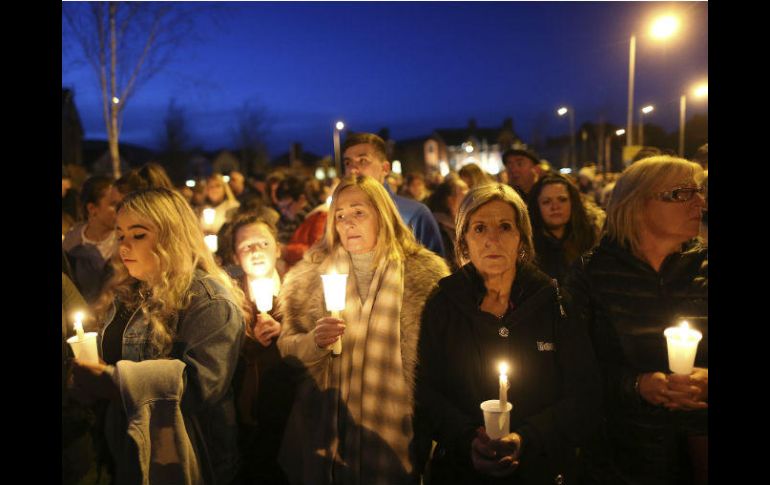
(682, 342)
(83, 344)
(262, 293)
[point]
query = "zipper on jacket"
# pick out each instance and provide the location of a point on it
(558, 298)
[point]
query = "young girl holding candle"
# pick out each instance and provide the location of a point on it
(498, 308)
(352, 417)
(263, 383)
(648, 272)
(172, 329)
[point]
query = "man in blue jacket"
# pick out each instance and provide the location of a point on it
(364, 154)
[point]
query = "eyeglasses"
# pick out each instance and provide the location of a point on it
(679, 194)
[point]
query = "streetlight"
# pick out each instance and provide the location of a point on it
(646, 110)
(662, 28)
(337, 128)
(700, 91)
(561, 112)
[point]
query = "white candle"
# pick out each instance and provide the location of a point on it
(682, 342)
(211, 242)
(503, 367)
(334, 295)
(79, 326)
(262, 293)
(209, 215)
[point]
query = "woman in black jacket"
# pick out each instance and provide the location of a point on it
(648, 273)
(499, 307)
(561, 229)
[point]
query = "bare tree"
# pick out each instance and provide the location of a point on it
(126, 43)
(249, 135)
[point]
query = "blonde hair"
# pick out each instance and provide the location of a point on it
(635, 186)
(481, 195)
(395, 240)
(180, 250)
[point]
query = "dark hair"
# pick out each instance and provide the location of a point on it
(437, 202)
(646, 152)
(155, 175)
(411, 176)
(521, 152)
(93, 190)
(580, 234)
(292, 186)
(378, 143)
(701, 156)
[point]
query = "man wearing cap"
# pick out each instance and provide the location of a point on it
(364, 154)
(521, 165)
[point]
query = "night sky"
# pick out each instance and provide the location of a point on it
(409, 66)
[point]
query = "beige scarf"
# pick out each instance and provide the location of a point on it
(373, 422)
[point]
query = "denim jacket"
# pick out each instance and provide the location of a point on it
(208, 338)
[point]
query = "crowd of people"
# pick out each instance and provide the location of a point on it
(202, 377)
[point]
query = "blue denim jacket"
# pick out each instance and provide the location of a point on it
(208, 338)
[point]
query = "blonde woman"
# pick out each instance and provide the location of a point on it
(352, 417)
(171, 331)
(220, 197)
(649, 272)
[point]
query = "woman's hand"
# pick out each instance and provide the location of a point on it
(91, 381)
(328, 330)
(653, 387)
(689, 392)
(496, 458)
(265, 328)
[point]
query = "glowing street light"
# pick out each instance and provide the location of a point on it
(339, 126)
(620, 132)
(561, 112)
(115, 100)
(700, 91)
(662, 28)
(646, 110)
(396, 166)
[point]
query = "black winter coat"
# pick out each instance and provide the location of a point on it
(554, 388)
(626, 305)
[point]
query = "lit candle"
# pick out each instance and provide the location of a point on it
(334, 294)
(503, 367)
(209, 215)
(79, 326)
(211, 242)
(682, 342)
(262, 294)
(83, 344)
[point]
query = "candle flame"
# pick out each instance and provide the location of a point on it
(503, 367)
(78, 316)
(685, 325)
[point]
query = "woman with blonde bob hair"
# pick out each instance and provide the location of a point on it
(171, 326)
(649, 272)
(351, 423)
(499, 308)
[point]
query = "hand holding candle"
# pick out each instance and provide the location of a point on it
(334, 294)
(682, 342)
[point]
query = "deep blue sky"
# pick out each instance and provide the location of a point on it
(412, 67)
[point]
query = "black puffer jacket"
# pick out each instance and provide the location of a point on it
(626, 305)
(554, 388)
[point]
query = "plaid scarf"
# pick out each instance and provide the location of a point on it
(373, 415)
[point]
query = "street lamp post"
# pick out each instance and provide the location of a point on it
(644, 111)
(698, 92)
(662, 28)
(571, 111)
(339, 126)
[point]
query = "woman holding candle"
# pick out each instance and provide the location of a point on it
(263, 383)
(220, 197)
(172, 329)
(648, 273)
(561, 229)
(351, 421)
(498, 308)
